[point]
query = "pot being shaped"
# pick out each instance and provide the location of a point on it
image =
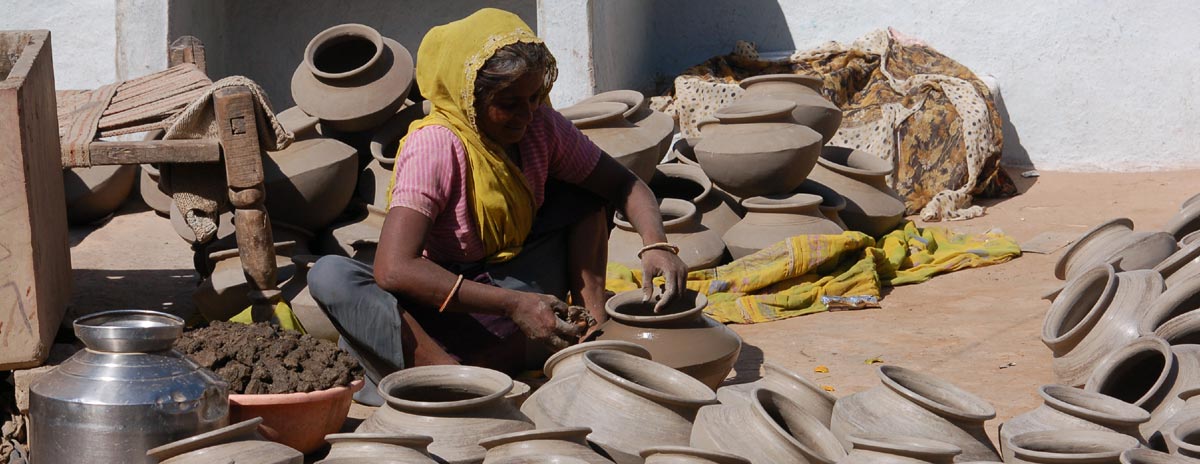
(128, 392)
(357, 237)
(1070, 447)
(899, 449)
(688, 455)
(96, 192)
(151, 191)
(224, 293)
(699, 247)
(812, 110)
(1116, 243)
(769, 428)
(772, 219)
(352, 78)
(680, 336)
(1068, 408)
(295, 292)
(605, 124)
(298, 420)
(456, 405)
(922, 406)
(373, 182)
(1184, 222)
(547, 406)
(238, 443)
(655, 124)
(1150, 374)
(832, 203)
(754, 148)
(568, 441)
(1173, 314)
(632, 403)
(1096, 313)
(1149, 456)
(812, 398)
(379, 446)
(1181, 265)
(872, 207)
(309, 183)
(715, 208)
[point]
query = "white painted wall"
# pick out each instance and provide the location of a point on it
(565, 27)
(83, 37)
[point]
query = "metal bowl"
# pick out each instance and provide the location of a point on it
(129, 331)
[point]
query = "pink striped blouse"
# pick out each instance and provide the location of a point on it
(432, 171)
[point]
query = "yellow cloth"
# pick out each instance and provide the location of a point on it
(283, 317)
(449, 58)
(793, 277)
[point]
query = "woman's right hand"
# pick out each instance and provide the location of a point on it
(535, 314)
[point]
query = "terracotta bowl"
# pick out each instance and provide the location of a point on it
(298, 420)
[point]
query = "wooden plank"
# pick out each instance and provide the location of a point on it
(156, 151)
(188, 49)
(238, 128)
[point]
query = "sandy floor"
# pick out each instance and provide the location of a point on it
(978, 328)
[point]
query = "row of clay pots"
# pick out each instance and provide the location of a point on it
(622, 124)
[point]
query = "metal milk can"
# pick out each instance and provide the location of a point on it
(127, 392)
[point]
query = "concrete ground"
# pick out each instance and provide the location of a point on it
(979, 328)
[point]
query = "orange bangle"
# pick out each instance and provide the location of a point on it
(453, 290)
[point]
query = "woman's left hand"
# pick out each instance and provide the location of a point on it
(666, 264)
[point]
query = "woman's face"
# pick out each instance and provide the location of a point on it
(505, 118)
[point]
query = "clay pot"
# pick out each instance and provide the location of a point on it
(569, 442)
(680, 336)
(352, 78)
(687, 455)
(298, 420)
(617, 386)
(899, 449)
(355, 238)
(224, 293)
(96, 192)
(654, 124)
(295, 292)
(1150, 374)
(872, 207)
(605, 124)
(716, 209)
(379, 446)
(1116, 243)
(310, 182)
(812, 398)
(684, 151)
(569, 361)
(456, 405)
(812, 109)
(301, 124)
(546, 407)
(1181, 265)
(754, 148)
(1148, 456)
(1069, 447)
(1184, 438)
(236, 443)
(772, 219)
(151, 191)
(922, 406)
(832, 203)
(768, 428)
(699, 247)
(1067, 408)
(1097, 312)
(1188, 412)
(374, 181)
(1184, 222)
(1172, 315)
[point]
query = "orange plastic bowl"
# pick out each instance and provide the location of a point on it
(298, 420)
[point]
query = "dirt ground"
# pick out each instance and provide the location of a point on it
(979, 328)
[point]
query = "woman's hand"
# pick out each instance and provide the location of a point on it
(536, 315)
(663, 263)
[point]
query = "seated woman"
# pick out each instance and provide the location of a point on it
(500, 209)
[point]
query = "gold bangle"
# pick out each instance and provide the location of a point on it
(658, 246)
(453, 290)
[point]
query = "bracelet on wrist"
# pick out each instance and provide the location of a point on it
(658, 246)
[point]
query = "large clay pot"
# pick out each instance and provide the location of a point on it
(352, 78)
(357, 237)
(812, 398)
(569, 361)
(1149, 456)
(688, 455)
(310, 182)
(1096, 313)
(754, 148)
(772, 219)
(715, 208)
(1116, 243)
(1184, 438)
(151, 191)
(1070, 447)
(547, 406)
(605, 124)
(377, 447)
(374, 181)
(1150, 374)
(699, 247)
(1067, 408)
(680, 335)
(832, 203)
(872, 207)
(238, 443)
(1182, 265)
(1188, 412)
(295, 292)
(922, 406)
(224, 293)
(769, 428)
(655, 124)
(617, 387)
(812, 109)
(568, 441)
(456, 405)
(1176, 306)
(899, 449)
(95, 192)
(1184, 222)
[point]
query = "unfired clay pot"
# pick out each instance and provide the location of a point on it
(605, 124)
(95, 192)
(235, 443)
(352, 78)
(456, 405)
(1175, 306)
(922, 406)
(715, 208)
(1150, 374)
(769, 428)
(699, 247)
(374, 181)
(569, 361)
(295, 292)
(379, 446)
(1149, 456)
(832, 203)
(811, 397)
(1184, 222)
(772, 219)
(680, 335)
(1116, 243)
(547, 406)
(357, 237)
(655, 124)
(1096, 313)
(568, 441)
(1068, 408)
(151, 192)
(754, 148)
(812, 109)
(224, 293)
(1184, 438)
(1070, 447)
(1188, 412)
(310, 182)
(899, 449)
(689, 455)
(872, 207)
(1182, 265)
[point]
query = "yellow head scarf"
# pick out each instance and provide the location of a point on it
(448, 60)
